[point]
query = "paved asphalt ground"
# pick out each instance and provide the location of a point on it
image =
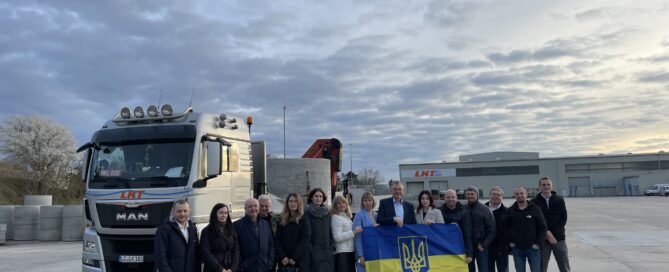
(603, 234)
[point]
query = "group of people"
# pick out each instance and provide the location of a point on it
(529, 230)
(315, 237)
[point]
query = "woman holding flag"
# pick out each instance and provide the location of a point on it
(343, 234)
(365, 217)
(426, 212)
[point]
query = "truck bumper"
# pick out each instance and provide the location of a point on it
(103, 252)
(91, 255)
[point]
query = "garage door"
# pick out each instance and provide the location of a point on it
(604, 191)
(579, 186)
(439, 185)
(414, 188)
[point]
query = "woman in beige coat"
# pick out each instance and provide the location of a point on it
(426, 213)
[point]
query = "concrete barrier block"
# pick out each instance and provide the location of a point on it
(296, 175)
(73, 223)
(50, 223)
(26, 222)
(3, 232)
(7, 218)
(39, 200)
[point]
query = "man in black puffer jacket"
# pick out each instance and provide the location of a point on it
(555, 212)
(525, 229)
(456, 213)
(483, 229)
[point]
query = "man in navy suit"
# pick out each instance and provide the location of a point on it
(395, 210)
(257, 244)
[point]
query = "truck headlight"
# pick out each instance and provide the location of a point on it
(90, 262)
(89, 246)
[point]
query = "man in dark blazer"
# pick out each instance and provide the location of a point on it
(256, 245)
(176, 245)
(395, 210)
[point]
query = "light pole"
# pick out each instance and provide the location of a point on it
(284, 131)
(350, 147)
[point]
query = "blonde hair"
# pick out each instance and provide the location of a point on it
(335, 210)
(365, 196)
(286, 215)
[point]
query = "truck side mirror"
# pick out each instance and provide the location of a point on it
(86, 158)
(84, 165)
(213, 159)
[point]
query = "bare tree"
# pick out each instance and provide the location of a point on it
(43, 149)
(369, 177)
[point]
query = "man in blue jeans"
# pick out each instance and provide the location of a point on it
(525, 229)
(483, 229)
(499, 250)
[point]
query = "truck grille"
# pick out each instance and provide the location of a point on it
(144, 216)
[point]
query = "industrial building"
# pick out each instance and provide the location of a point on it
(598, 175)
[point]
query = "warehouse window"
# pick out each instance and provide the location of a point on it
(468, 172)
(526, 170)
(497, 171)
(617, 166)
(640, 166)
(577, 168)
(606, 167)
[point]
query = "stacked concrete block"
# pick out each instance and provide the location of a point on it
(26, 222)
(38, 200)
(3, 233)
(73, 223)
(50, 223)
(7, 218)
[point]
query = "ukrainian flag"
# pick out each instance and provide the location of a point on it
(414, 248)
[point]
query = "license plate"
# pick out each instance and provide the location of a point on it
(131, 259)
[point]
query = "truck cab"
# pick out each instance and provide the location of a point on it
(137, 165)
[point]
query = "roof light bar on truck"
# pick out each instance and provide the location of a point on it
(165, 110)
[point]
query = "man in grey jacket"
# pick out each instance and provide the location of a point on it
(483, 229)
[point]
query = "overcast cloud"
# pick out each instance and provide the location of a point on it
(403, 81)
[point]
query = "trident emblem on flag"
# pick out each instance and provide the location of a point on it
(413, 253)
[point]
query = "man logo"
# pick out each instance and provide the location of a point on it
(414, 253)
(132, 217)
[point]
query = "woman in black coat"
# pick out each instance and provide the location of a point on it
(293, 236)
(322, 244)
(220, 248)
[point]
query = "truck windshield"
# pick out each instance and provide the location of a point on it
(144, 164)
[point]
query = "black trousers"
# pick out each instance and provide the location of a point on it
(345, 262)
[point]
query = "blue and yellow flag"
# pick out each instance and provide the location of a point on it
(414, 248)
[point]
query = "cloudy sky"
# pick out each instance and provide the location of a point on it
(402, 81)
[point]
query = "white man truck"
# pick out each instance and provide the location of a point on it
(137, 164)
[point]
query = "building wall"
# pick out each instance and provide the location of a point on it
(629, 174)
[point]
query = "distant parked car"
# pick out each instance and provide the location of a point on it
(657, 190)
